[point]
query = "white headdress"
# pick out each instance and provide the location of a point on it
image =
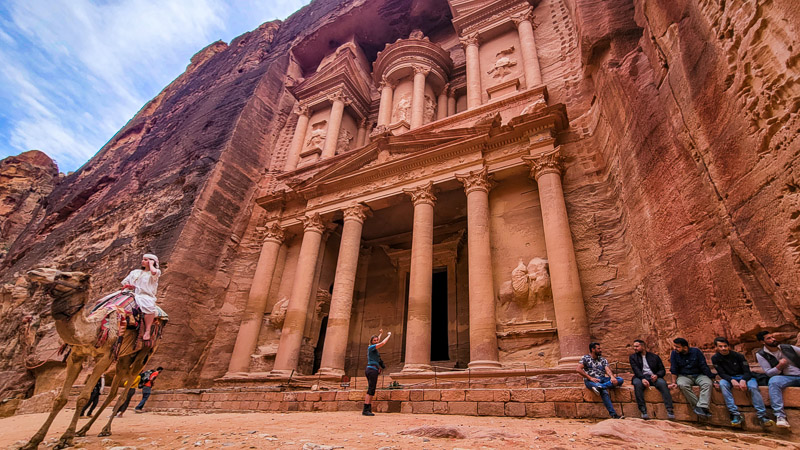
(152, 257)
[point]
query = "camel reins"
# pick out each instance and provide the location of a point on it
(63, 315)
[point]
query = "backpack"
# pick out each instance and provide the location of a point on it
(144, 378)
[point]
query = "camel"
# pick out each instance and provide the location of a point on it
(79, 329)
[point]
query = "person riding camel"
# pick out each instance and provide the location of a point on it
(143, 283)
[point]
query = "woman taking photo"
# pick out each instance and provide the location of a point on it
(373, 369)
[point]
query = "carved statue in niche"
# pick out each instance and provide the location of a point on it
(343, 144)
(504, 63)
(403, 111)
(278, 314)
(430, 109)
(317, 138)
(529, 285)
(538, 105)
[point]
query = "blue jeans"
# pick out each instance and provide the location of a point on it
(603, 386)
(145, 395)
(776, 386)
(755, 396)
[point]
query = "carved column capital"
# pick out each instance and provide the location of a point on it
(273, 232)
(477, 180)
(386, 82)
(547, 162)
(338, 96)
(524, 16)
(357, 212)
(470, 39)
(446, 89)
(422, 194)
(301, 109)
(313, 223)
(422, 69)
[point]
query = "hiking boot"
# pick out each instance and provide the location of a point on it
(645, 416)
(670, 415)
(736, 421)
(367, 410)
(781, 422)
(766, 422)
(595, 390)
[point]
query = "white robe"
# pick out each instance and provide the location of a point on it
(145, 285)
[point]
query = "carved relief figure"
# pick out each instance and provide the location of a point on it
(504, 63)
(430, 109)
(317, 137)
(278, 314)
(529, 285)
(343, 144)
(403, 111)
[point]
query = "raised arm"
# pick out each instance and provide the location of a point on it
(383, 342)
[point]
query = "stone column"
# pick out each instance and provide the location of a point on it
(418, 327)
(441, 107)
(418, 97)
(451, 102)
(296, 311)
(474, 94)
(333, 352)
(247, 337)
(573, 328)
(298, 138)
(527, 43)
(362, 132)
(334, 125)
(385, 110)
(483, 351)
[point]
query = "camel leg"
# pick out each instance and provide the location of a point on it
(83, 398)
(119, 380)
(73, 370)
(136, 366)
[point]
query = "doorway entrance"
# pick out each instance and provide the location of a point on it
(440, 347)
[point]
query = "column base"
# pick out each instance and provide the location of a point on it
(281, 372)
(411, 368)
(569, 361)
(330, 372)
(235, 374)
(484, 364)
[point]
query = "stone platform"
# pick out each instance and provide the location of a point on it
(565, 402)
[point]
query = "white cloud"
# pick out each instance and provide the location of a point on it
(75, 71)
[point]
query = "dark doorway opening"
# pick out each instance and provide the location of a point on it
(323, 327)
(440, 347)
(405, 318)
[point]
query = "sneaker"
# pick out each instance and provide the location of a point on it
(782, 423)
(645, 416)
(595, 390)
(616, 416)
(766, 422)
(700, 413)
(707, 411)
(138, 411)
(670, 415)
(736, 421)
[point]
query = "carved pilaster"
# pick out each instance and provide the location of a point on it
(547, 162)
(422, 194)
(477, 180)
(470, 39)
(274, 233)
(357, 212)
(313, 223)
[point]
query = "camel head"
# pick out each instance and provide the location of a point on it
(68, 289)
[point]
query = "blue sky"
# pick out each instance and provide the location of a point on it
(73, 72)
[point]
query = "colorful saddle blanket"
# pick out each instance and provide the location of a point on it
(129, 316)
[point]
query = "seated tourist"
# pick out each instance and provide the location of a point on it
(598, 376)
(734, 372)
(648, 371)
(689, 365)
(781, 363)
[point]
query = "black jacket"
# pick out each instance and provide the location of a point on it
(653, 360)
(731, 366)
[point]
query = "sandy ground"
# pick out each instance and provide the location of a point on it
(303, 430)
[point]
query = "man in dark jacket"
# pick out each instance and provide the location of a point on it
(147, 388)
(781, 363)
(649, 371)
(734, 371)
(689, 365)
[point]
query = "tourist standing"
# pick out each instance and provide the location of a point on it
(689, 365)
(131, 392)
(598, 376)
(781, 363)
(649, 371)
(147, 382)
(734, 372)
(95, 397)
(374, 365)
